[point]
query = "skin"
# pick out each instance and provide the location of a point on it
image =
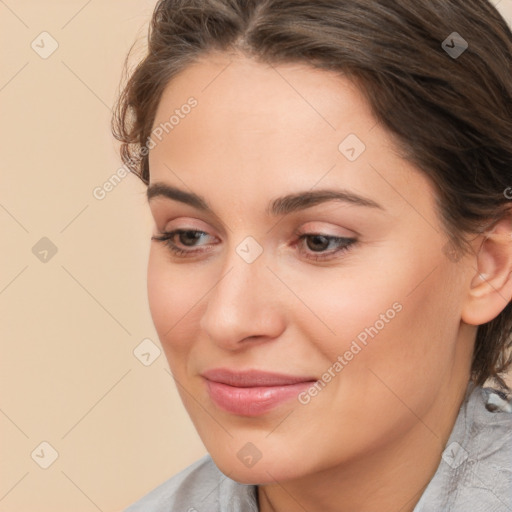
(373, 436)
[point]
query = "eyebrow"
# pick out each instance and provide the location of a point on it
(278, 206)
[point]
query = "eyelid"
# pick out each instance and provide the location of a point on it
(177, 231)
(312, 228)
(305, 229)
(167, 217)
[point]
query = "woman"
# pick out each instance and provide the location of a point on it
(330, 269)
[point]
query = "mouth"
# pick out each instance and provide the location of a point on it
(252, 392)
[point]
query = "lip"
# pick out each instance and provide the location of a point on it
(252, 392)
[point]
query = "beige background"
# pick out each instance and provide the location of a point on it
(70, 321)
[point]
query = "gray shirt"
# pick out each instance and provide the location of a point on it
(474, 474)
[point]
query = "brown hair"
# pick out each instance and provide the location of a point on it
(451, 115)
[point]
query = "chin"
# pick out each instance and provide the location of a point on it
(266, 470)
(261, 473)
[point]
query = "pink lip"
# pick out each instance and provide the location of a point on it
(252, 392)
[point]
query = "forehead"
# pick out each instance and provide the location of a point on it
(233, 87)
(253, 111)
(278, 127)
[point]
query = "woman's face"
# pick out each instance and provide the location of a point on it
(372, 316)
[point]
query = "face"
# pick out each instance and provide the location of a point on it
(303, 333)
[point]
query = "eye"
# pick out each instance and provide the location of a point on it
(187, 237)
(321, 241)
(317, 243)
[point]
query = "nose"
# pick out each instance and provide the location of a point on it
(243, 305)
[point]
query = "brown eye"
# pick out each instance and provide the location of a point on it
(186, 237)
(318, 243)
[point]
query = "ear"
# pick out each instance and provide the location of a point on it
(491, 285)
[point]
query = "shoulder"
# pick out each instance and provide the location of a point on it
(186, 483)
(487, 438)
(200, 486)
(475, 472)
(488, 446)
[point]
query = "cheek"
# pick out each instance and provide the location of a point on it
(398, 315)
(396, 333)
(173, 297)
(355, 301)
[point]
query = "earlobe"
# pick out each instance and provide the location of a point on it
(490, 289)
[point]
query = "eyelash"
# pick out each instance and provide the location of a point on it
(166, 238)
